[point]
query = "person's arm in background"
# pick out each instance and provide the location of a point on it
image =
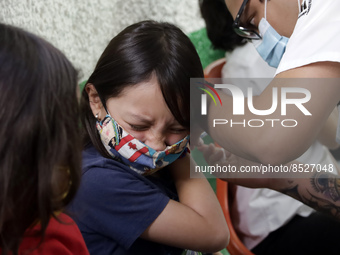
(319, 190)
(196, 222)
(279, 144)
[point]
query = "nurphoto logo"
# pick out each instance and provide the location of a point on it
(204, 96)
(240, 100)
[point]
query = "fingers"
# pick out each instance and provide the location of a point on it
(218, 157)
(212, 154)
(195, 137)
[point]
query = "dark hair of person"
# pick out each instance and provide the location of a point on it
(133, 56)
(40, 145)
(218, 21)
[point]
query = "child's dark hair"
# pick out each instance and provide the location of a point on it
(140, 50)
(39, 134)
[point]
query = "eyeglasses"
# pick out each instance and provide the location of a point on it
(243, 31)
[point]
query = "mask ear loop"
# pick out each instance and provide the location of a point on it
(104, 104)
(299, 5)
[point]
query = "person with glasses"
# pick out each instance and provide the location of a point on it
(309, 59)
(283, 15)
(267, 222)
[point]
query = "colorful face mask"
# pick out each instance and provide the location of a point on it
(132, 152)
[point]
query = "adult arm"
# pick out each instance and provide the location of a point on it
(196, 222)
(278, 144)
(317, 189)
(320, 191)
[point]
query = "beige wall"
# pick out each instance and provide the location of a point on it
(81, 29)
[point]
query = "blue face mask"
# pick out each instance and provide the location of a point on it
(272, 46)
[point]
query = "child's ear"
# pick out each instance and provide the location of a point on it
(95, 102)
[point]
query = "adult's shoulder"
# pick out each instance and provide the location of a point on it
(315, 38)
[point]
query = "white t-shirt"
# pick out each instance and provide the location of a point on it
(257, 212)
(316, 36)
(245, 62)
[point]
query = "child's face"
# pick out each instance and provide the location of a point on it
(142, 112)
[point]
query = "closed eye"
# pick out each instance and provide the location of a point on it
(178, 130)
(138, 127)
